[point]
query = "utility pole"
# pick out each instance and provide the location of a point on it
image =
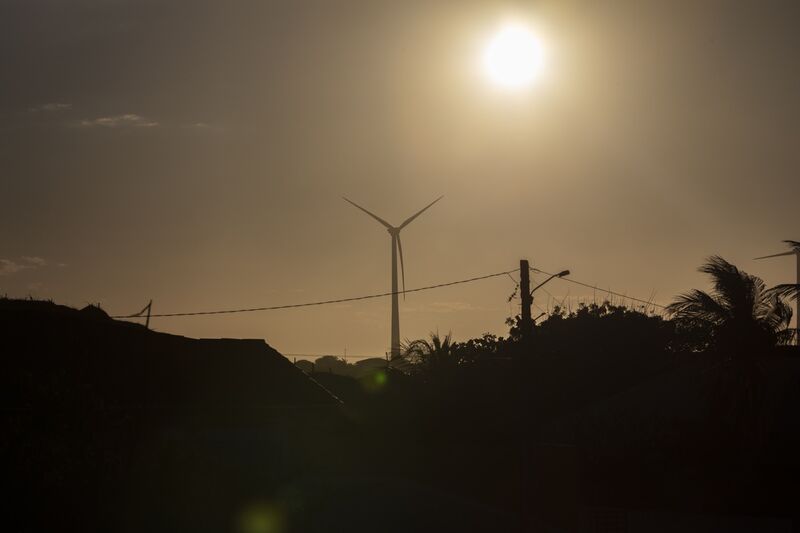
(525, 323)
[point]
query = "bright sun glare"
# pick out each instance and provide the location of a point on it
(513, 57)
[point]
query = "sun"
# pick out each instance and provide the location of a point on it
(512, 58)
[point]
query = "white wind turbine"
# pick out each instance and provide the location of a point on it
(396, 247)
(795, 251)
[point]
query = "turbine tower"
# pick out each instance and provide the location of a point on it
(396, 247)
(795, 251)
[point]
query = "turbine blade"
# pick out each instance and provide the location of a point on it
(402, 267)
(776, 255)
(794, 245)
(376, 217)
(418, 213)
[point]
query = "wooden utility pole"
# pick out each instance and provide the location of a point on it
(525, 323)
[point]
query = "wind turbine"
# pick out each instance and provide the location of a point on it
(795, 251)
(396, 247)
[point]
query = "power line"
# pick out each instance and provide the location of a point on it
(317, 355)
(550, 294)
(324, 302)
(383, 295)
(537, 305)
(608, 291)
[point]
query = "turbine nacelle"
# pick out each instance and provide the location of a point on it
(394, 231)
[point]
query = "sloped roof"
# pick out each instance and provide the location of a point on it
(57, 354)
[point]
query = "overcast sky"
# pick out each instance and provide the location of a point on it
(196, 152)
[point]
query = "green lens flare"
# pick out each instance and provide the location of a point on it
(262, 518)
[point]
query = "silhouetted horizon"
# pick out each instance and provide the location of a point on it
(195, 154)
(598, 329)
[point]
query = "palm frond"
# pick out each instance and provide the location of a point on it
(787, 336)
(697, 306)
(786, 290)
(738, 310)
(779, 317)
(738, 291)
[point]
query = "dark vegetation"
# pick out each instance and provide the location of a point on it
(110, 426)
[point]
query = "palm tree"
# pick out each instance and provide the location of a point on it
(432, 355)
(742, 316)
(743, 320)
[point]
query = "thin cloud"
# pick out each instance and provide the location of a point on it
(34, 261)
(444, 307)
(204, 126)
(51, 106)
(128, 120)
(8, 267)
(454, 306)
(12, 266)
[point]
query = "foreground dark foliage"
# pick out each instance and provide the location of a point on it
(108, 426)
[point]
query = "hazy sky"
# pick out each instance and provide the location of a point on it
(196, 152)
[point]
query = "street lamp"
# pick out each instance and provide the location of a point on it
(526, 294)
(559, 275)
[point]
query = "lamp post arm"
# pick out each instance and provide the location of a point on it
(542, 283)
(559, 275)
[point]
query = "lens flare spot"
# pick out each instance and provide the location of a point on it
(262, 518)
(375, 381)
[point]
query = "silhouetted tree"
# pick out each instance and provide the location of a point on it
(479, 349)
(433, 356)
(595, 329)
(743, 320)
(332, 364)
(742, 317)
